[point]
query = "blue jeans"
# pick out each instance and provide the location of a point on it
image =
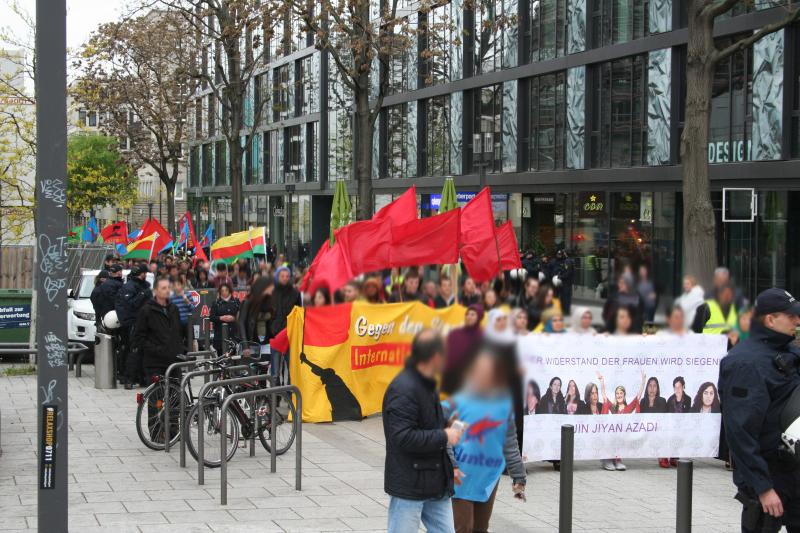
(405, 515)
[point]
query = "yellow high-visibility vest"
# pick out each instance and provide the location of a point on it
(718, 323)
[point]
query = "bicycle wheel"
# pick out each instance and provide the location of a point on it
(150, 415)
(211, 433)
(284, 417)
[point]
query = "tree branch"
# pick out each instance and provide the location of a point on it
(742, 44)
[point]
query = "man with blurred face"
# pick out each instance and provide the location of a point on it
(350, 292)
(158, 332)
(445, 296)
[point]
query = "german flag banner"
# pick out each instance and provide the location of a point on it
(343, 357)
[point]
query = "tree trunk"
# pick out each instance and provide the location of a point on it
(170, 187)
(235, 152)
(362, 151)
(236, 94)
(699, 231)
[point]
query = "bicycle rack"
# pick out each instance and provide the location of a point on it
(201, 418)
(298, 427)
(167, 374)
(183, 408)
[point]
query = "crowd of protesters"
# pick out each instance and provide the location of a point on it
(427, 458)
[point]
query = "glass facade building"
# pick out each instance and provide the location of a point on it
(585, 103)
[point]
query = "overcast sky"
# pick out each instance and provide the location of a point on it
(83, 16)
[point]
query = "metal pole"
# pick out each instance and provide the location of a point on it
(565, 494)
(298, 432)
(223, 455)
(683, 520)
(273, 457)
(167, 406)
(51, 258)
(253, 427)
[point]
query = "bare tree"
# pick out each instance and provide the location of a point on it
(229, 40)
(134, 72)
(361, 42)
(702, 56)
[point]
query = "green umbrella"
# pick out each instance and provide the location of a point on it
(447, 203)
(341, 211)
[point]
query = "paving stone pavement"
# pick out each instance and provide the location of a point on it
(118, 485)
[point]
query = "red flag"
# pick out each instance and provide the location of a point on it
(151, 226)
(402, 210)
(312, 269)
(333, 269)
(432, 241)
(478, 244)
(116, 233)
(507, 244)
(366, 244)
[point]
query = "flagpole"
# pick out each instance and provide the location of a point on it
(153, 245)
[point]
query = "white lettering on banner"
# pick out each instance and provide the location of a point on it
(561, 362)
(365, 329)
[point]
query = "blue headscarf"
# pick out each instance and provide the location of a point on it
(279, 270)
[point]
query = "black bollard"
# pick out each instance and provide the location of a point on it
(565, 490)
(683, 520)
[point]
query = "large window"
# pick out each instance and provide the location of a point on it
(438, 121)
(731, 108)
(488, 118)
(619, 123)
(207, 158)
(619, 21)
(340, 127)
(194, 166)
(403, 64)
(294, 157)
(220, 162)
(496, 31)
(308, 86)
(443, 58)
(548, 121)
(548, 29)
(282, 92)
(398, 141)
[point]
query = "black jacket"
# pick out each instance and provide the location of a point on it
(685, 404)
(248, 322)
(158, 334)
(106, 297)
(659, 405)
(219, 309)
(284, 298)
(130, 298)
(417, 464)
(753, 391)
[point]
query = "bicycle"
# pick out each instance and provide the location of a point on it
(240, 426)
(150, 413)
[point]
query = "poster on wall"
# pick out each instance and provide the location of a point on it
(636, 396)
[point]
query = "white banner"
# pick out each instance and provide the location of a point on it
(661, 397)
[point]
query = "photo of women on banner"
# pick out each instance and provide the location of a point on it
(586, 384)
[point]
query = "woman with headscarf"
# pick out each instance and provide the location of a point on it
(498, 330)
(461, 345)
(371, 291)
(581, 321)
(554, 322)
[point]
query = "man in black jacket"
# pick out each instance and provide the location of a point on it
(130, 299)
(284, 298)
(107, 292)
(158, 332)
(756, 380)
(418, 474)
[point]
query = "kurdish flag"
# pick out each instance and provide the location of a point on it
(232, 247)
(258, 240)
(143, 248)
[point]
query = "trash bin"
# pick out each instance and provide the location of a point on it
(104, 375)
(15, 315)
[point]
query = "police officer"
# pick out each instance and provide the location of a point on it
(130, 299)
(95, 297)
(756, 380)
(107, 292)
(564, 268)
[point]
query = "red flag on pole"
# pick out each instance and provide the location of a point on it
(116, 233)
(478, 244)
(508, 247)
(431, 241)
(163, 238)
(402, 210)
(366, 244)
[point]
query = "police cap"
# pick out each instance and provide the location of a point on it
(776, 300)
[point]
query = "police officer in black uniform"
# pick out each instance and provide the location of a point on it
(757, 378)
(130, 299)
(107, 292)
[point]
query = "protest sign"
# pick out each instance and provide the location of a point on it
(661, 398)
(346, 355)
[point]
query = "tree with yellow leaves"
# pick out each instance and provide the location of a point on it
(97, 174)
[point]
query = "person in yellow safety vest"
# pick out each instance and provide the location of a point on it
(722, 312)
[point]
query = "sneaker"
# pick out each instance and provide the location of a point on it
(663, 463)
(608, 464)
(618, 465)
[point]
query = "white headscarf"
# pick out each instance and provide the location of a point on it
(506, 336)
(575, 324)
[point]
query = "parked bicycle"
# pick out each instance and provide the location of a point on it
(150, 415)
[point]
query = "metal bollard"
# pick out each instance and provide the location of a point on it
(206, 333)
(189, 336)
(683, 519)
(565, 489)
